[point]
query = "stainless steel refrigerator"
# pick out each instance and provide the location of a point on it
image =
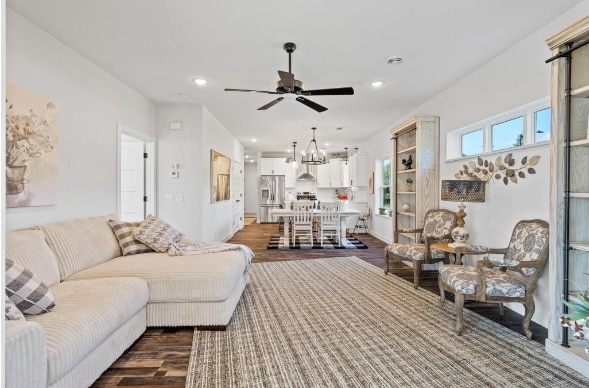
(271, 195)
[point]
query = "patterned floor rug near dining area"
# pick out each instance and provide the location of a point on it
(340, 322)
(350, 242)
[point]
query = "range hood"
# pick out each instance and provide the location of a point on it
(306, 176)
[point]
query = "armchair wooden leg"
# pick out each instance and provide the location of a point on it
(386, 262)
(442, 292)
(530, 307)
(416, 272)
(459, 302)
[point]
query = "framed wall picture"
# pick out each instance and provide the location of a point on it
(371, 183)
(31, 149)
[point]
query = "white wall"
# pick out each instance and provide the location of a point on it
(250, 192)
(514, 78)
(183, 147)
(217, 217)
(91, 103)
(190, 148)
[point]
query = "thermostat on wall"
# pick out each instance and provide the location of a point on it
(174, 174)
(176, 125)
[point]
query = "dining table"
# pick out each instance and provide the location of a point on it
(288, 213)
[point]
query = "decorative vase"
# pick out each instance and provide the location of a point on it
(15, 179)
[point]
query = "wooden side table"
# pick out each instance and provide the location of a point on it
(457, 252)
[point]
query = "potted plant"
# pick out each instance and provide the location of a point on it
(579, 318)
(381, 211)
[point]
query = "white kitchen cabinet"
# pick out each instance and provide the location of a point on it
(338, 173)
(358, 170)
(323, 175)
(290, 176)
(335, 173)
(272, 166)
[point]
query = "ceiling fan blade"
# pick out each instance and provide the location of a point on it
(311, 104)
(248, 90)
(287, 79)
(271, 103)
(347, 91)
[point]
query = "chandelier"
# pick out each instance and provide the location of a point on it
(311, 155)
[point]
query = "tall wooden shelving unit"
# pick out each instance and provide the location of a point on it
(418, 138)
(569, 193)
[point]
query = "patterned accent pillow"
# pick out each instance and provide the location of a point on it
(124, 232)
(11, 312)
(28, 292)
(157, 234)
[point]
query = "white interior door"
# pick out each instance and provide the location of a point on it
(135, 174)
(237, 195)
(132, 180)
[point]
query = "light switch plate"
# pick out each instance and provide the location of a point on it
(169, 198)
(179, 197)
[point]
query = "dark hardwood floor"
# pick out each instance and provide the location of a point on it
(160, 357)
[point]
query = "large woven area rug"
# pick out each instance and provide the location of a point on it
(340, 322)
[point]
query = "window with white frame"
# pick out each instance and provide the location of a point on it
(383, 183)
(527, 125)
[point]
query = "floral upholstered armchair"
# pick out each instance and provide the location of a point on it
(511, 278)
(437, 225)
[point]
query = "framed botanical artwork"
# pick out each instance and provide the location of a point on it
(31, 149)
(371, 183)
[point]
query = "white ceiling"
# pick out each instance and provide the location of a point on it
(158, 47)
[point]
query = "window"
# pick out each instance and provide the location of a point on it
(523, 126)
(507, 134)
(472, 143)
(542, 125)
(383, 183)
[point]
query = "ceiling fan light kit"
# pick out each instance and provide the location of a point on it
(290, 88)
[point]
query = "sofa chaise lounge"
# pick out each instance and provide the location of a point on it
(104, 301)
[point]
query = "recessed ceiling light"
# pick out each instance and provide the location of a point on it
(254, 140)
(394, 60)
(182, 95)
(251, 161)
(200, 81)
(327, 144)
(376, 84)
(247, 156)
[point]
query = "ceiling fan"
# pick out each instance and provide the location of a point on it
(290, 88)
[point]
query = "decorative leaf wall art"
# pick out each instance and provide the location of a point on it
(501, 168)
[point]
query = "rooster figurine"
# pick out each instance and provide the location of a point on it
(407, 162)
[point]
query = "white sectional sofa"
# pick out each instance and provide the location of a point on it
(104, 301)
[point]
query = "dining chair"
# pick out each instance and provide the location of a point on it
(329, 222)
(510, 278)
(302, 220)
(437, 225)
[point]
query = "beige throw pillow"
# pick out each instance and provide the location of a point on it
(124, 232)
(27, 291)
(157, 234)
